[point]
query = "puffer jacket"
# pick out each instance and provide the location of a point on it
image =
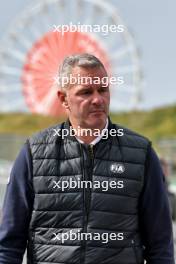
(110, 216)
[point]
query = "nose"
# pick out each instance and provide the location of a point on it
(97, 99)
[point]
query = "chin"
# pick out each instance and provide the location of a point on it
(97, 121)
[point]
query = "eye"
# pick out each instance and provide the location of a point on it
(86, 92)
(103, 89)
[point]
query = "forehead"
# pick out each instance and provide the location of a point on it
(88, 78)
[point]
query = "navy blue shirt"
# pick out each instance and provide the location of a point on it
(154, 215)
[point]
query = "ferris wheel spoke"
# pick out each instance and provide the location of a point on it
(17, 54)
(24, 41)
(10, 71)
(9, 88)
(123, 89)
(48, 22)
(121, 53)
(34, 32)
(53, 14)
(126, 69)
(78, 4)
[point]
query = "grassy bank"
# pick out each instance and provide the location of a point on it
(155, 124)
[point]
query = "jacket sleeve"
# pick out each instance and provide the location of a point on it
(154, 215)
(16, 211)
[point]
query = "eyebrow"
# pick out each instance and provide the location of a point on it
(84, 89)
(90, 88)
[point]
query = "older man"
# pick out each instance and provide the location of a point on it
(87, 190)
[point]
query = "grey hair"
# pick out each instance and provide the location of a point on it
(84, 60)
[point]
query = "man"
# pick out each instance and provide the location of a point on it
(120, 214)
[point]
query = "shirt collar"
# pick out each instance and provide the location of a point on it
(97, 139)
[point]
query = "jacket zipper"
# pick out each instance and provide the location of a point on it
(91, 155)
(86, 198)
(134, 249)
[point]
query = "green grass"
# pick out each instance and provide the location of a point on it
(25, 124)
(155, 124)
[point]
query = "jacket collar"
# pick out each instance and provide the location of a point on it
(67, 124)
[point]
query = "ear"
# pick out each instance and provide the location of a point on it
(63, 99)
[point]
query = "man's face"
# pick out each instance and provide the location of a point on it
(88, 104)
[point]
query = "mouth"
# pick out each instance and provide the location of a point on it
(97, 111)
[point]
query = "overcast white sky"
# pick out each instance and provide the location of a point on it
(152, 23)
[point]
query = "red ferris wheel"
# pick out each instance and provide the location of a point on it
(31, 52)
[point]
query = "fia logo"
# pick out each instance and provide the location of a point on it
(117, 168)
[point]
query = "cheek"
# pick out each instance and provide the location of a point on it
(73, 102)
(106, 99)
(84, 105)
(78, 105)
